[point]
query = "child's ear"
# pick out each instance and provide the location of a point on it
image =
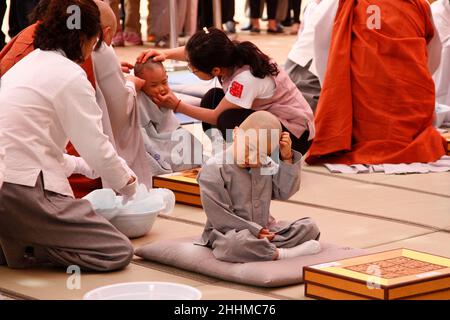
(107, 35)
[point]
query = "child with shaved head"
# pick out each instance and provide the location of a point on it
(161, 129)
(155, 76)
(237, 187)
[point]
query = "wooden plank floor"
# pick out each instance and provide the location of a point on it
(375, 211)
(375, 232)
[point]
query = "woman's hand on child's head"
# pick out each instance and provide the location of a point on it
(265, 233)
(138, 82)
(286, 146)
(157, 56)
(126, 67)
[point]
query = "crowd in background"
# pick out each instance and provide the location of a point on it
(192, 15)
(18, 17)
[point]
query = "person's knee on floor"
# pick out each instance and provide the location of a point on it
(229, 119)
(211, 100)
(99, 261)
(123, 259)
(20, 255)
(223, 124)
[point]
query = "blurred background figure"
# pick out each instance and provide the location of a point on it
(160, 20)
(206, 14)
(18, 15)
(2, 15)
(256, 13)
(130, 31)
(117, 7)
(190, 25)
(192, 15)
(293, 16)
(228, 12)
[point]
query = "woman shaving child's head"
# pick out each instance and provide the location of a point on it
(258, 138)
(155, 76)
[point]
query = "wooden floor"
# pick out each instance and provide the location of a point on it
(375, 211)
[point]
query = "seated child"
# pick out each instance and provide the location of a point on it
(237, 187)
(163, 134)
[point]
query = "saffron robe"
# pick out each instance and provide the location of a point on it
(378, 97)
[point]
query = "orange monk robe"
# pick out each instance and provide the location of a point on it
(378, 98)
(18, 48)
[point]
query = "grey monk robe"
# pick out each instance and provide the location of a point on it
(237, 205)
(164, 137)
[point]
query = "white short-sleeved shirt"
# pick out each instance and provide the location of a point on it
(441, 16)
(302, 51)
(245, 88)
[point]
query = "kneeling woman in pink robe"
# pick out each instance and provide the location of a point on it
(46, 100)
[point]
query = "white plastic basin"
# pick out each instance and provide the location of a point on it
(144, 291)
(135, 218)
(135, 225)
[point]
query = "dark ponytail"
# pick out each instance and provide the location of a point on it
(53, 33)
(208, 50)
(260, 65)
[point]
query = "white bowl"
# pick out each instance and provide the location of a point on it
(103, 201)
(134, 225)
(135, 218)
(168, 198)
(144, 291)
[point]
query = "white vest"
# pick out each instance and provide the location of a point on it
(441, 17)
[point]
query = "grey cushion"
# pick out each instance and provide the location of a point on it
(183, 254)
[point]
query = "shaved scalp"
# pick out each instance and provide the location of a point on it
(107, 17)
(267, 127)
(150, 65)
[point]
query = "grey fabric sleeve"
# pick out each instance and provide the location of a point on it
(218, 205)
(287, 180)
